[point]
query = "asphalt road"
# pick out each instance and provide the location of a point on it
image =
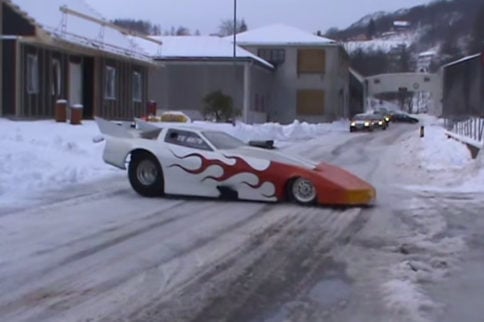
(102, 253)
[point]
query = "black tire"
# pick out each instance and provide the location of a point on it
(302, 191)
(145, 174)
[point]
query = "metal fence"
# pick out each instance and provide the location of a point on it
(472, 127)
(463, 99)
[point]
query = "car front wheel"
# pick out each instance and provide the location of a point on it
(145, 175)
(303, 191)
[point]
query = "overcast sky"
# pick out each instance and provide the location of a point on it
(205, 15)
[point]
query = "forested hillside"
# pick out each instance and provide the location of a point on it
(392, 42)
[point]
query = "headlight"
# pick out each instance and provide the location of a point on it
(387, 119)
(380, 123)
(367, 123)
(353, 123)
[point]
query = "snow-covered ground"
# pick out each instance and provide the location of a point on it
(36, 156)
(436, 162)
(404, 247)
(44, 155)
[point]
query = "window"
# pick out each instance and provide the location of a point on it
(310, 102)
(186, 139)
(137, 87)
(110, 83)
(274, 56)
(222, 140)
(56, 78)
(32, 74)
(311, 61)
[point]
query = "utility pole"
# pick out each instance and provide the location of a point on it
(235, 28)
(1, 57)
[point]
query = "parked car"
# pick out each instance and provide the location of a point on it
(362, 122)
(180, 159)
(403, 118)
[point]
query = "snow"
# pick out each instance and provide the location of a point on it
(280, 35)
(44, 155)
(77, 30)
(179, 47)
(384, 44)
(39, 156)
(443, 164)
(401, 23)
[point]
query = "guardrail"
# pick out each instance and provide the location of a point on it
(468, 131)
(471, 128)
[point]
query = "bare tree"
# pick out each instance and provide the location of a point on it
(226, 27)
(182, 31)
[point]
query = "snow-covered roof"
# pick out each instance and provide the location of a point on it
(357, 75)
(280, 35)
(76, 30)
(195, 47)
(427, 53)
(461, 60)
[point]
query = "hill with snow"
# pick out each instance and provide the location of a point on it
(445, 27)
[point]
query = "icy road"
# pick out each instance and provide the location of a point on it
(102, 253)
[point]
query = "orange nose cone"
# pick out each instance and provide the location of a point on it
(348, 188)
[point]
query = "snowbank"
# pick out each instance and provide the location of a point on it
(43, 155)
(438, 163)
(275, 131)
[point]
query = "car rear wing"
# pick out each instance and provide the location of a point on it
(128, 130)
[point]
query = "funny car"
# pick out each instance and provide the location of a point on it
(183, 159)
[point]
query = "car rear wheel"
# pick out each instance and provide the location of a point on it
(303, 191)
(145, 174)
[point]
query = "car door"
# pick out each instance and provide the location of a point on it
(189, 165)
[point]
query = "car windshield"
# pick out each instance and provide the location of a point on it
(222, 140)
(360, 117)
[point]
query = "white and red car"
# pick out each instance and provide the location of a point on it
(178, 159)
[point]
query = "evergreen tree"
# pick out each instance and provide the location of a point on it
(371, 29)
(182, 31)
(219, 107)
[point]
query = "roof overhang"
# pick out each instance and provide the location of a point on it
(286, 44)
(462, 60)
(50, 38)
(214, 60)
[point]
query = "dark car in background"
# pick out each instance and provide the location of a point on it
(379, 121)
(400, 117)
(386, 114)
(362, 122)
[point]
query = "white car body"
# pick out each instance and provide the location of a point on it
(191, 171)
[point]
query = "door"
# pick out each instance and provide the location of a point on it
(75, 83)
(188, 165)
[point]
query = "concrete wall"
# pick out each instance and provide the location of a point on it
(287, 82)
(464, 88)
(182, 85)
(413, 82)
